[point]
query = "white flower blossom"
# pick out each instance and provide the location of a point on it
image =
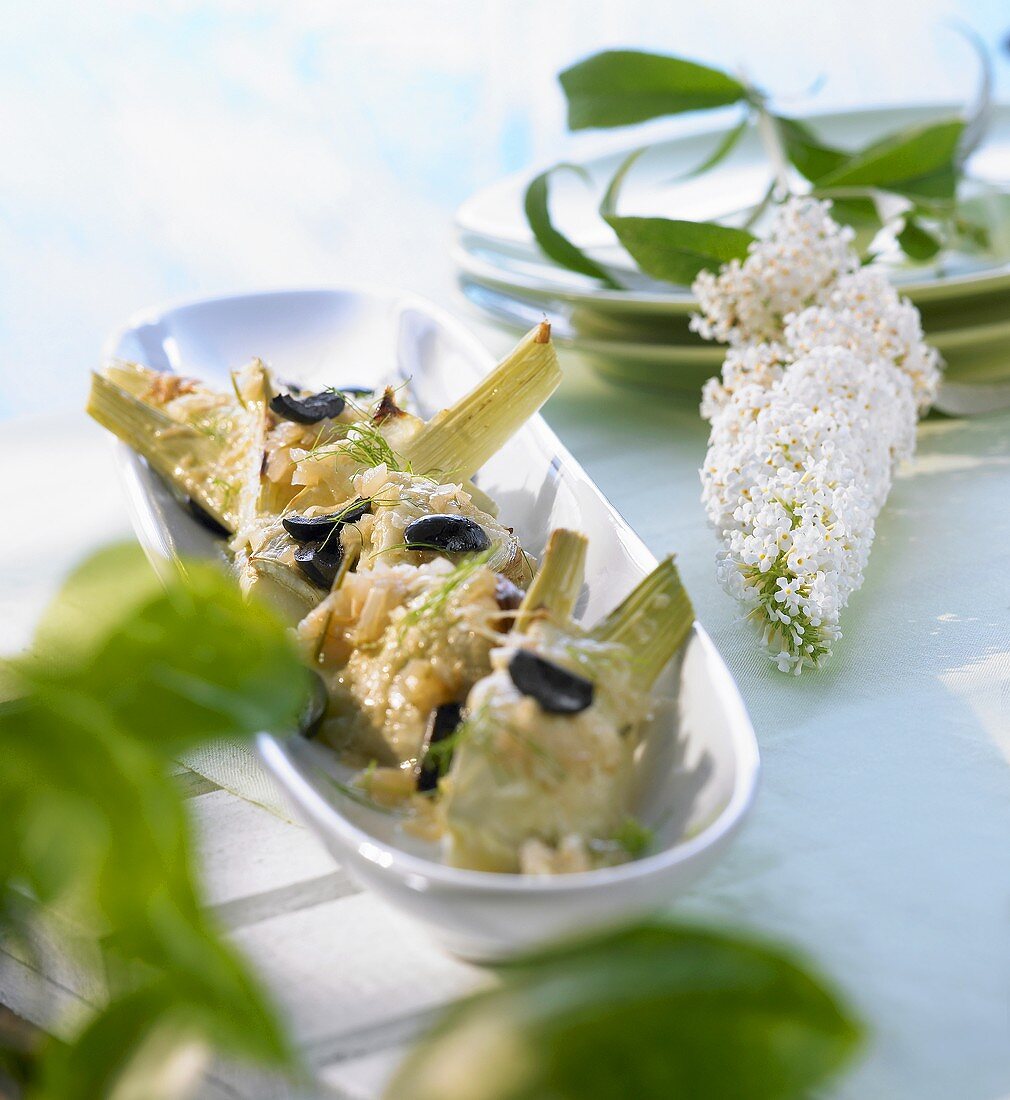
(864, 313)
(802, 255)
(816, 405)
(751, 364)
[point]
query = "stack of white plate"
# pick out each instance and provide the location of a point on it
(640, 333)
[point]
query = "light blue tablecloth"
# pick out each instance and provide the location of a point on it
(879, 842)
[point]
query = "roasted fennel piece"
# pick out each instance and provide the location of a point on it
(201, 442)
(543, 763)
(456, 442)
(226, 453)
(397, 642)
(250, 461)
(423, 472)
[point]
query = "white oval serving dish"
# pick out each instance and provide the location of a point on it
(699, 759)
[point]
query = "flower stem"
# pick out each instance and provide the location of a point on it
(771, 139)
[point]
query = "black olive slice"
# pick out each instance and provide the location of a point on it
(318, 562)
(202, 516)
(357, 391)
(353, 512)
(442, 721)
(454, 534)
(507, 594)
(556, 689)
(509, 598)
(309, 409)
(311, 716)
(317, 528)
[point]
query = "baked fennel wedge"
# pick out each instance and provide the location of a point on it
(267, 462)
(533, 769)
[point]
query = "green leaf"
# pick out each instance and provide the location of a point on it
(163, 1060)
(916, 242)
(92, 600)
(726, 145)
(866, 207)
(202, 662)
(860, 213)
(916, 161)
(934, 185)
(657, 1012)
(972, 236)
(552, 241)
(985, 218)
(620, 87)
(634, 837)
(807, 153)
(676, 251)
(123, 674)
(608, 204)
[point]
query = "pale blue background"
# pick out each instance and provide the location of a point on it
(160, 148)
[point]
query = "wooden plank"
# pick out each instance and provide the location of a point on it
(245, 850)
(66, 954)
(396, 1031)
(38, 999)
(349, 965)
(361, 1078)
(355, 980)
(211, 1088)
(285, 899)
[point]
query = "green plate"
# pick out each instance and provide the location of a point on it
(979, 352)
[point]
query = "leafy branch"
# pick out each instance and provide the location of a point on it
(906, 181)
(124, 675)
(657, 1010)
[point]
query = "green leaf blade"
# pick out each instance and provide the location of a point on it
(922, 154)
(202, 662)
(676, 251)
(810, 156)
(553, 243)
(622, 87)
(124, 673)
(727, 143)
(917, 242)
(653, 1011)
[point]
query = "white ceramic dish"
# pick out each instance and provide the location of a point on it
(699, 761)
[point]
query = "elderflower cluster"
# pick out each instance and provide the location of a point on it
(817, 402)
(804, 253)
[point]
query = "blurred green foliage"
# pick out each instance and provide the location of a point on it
(125, 674)
(656, 1012)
